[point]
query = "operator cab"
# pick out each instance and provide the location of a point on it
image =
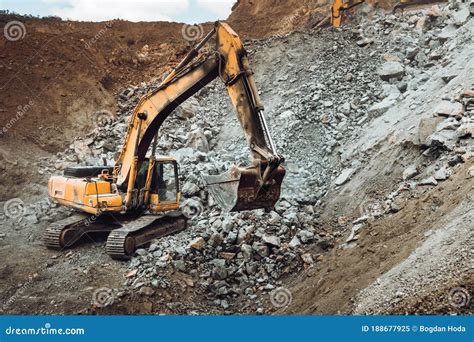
(164, 191)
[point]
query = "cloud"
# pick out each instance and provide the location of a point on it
(133, 10)
(221, 8)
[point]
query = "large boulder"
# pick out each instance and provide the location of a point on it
(391, 69)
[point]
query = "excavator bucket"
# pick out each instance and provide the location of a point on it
(239, 189)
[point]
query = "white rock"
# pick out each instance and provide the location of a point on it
(295, 242)
(410, 172)
(391, 69)
(272, 240)
(344, 176)
(447, 108)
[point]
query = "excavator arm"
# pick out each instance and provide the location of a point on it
(338, 7)
(256, 186)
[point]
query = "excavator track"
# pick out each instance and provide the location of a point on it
(54, 235)
(63, 234)
(122, 242)
(119, 245)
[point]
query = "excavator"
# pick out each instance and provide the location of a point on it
(338, 7)
(138, 198)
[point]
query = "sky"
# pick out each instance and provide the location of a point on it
(187, 11)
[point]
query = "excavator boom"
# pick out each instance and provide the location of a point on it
(253, 187)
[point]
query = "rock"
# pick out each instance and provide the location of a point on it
(364, 41)
(448, 77)
(426, 127)
(179, 265)
(344, 176)
(428, 181)
(81, 150)
(246, 251)
(198, 141)
(305, 235)
(470, 172)
(434, 11)
(328, 104)
(361, 219)
(216, 239)
(448, 32)
(295, 242)
(243, 235)
(354, 235)
(307, 258)
(391, 69)
(190, 189)
(198, 243)
(420, 24)
(141, 252)
(227, 255)
(227, 225)
(220, 272)
(272, 240)
(381, 107)
(183, 153)
(466, 130)
(261, 249)
(146, 290)
(275, 218)
(447, 108)
(410, 172)
(442, 174)
(411, 52)
(447, 138)
(287, 114)
(460, 17)
(131, 274)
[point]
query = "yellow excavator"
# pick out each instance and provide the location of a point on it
(338, 7)
(138, 199)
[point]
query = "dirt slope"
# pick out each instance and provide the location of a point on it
(58, 78)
